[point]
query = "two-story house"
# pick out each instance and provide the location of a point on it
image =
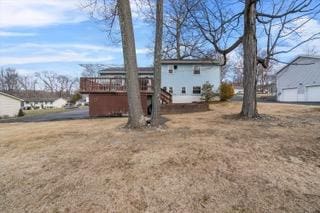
(184, 78)
(181, 82)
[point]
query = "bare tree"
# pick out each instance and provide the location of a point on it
(65, 84)
(232, 71)
(227, 24)
(49, 80)
(28, 82)
(155, 117)
(180, 41)
(136, 117)
(2, 80)
(9, 80)
(57, 83)
(111, 11)
(91, 70)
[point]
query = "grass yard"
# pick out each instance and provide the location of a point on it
(202, 162)
(43, 111)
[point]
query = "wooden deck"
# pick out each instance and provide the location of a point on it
(112, 85)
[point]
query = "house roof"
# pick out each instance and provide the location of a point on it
(120, 70)
(11, 96)
(295, 59)
(37, 99)
(149, 70)
(36, 96)
(191, 61)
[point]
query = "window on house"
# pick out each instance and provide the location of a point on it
(196, 90)
(183, 90)
(196, 69)
(175, 66)
(170, 70)
(171, 90)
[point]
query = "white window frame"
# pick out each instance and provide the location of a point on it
(185, 90)
(196, 70)
(170, 69)
(194, 92)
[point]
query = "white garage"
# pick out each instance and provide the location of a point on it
(9, 105)
(59, 103)
(289, 95)
(299, 81)
(313, 93)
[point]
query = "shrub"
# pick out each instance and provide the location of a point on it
(20, 113)
(226, 91)
(76, 97)
(206, 92)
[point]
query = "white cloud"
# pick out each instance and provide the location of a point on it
(32, 53)
(15, 34)
(58, 57)
(309, 29)
(45, 47)
(35, 13)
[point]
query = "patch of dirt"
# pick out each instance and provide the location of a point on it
(199, 162)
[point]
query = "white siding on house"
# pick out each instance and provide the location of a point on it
(9, 106)
(37, 104)
(59, 103)
(313, 93)
(304, 75)
(183, 76)
(290, 95)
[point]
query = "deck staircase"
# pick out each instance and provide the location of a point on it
(166, 97)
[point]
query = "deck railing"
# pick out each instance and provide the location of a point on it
(107, 84)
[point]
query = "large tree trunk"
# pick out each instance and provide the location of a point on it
(249, 104)
(155, 117)
(136, 117)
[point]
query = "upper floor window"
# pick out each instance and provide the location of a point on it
(170, 70)
(175, 66)
(171, 90)
(196, 69)
(196, 90)
(183, 90)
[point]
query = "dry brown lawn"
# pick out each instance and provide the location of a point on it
(202, 162)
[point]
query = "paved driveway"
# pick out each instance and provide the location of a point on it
(68, 115)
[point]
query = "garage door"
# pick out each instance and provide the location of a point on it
(289, 95)
(313, 93)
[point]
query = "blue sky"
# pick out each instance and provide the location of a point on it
(57, 35)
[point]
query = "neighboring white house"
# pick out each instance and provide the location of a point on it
(84, 101)
(184, 78)
(299, 81)
(9, 105)
(238, 90)
(43, 103)
(37, 103)
(59, 103)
